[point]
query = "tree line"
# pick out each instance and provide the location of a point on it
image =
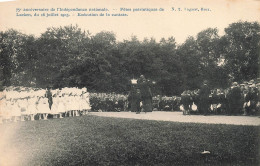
(71, 57)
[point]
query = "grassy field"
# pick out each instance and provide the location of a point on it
(92, 140)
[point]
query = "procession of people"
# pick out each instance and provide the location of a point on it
(20, 103)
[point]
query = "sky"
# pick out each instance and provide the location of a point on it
(157, 24)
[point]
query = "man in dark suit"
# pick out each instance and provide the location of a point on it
(49, 96)
(134, 97)
(235, 99)
(146, 94)
(204, 98)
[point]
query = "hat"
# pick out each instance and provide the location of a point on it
(234, 84)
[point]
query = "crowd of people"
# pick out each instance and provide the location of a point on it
(165, 103)
(108, 102)
(239, 99)
(22, 103)
(102, 102)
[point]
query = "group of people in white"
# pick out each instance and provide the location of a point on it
(20, 104)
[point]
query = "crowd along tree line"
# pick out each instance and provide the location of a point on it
(71, 57)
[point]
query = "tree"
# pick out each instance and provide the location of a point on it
(68, 56)
(60, 50)
(242, 50)
(16, 52)
(207, 43)
(190, 63)
(170, 75)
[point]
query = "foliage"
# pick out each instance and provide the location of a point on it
(242, 50)
(69, 56)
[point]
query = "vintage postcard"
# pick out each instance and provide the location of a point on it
(127, 82)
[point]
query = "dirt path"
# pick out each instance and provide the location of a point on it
(179, 117)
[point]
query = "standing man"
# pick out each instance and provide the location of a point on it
(146, 94)
(135, 98)
(49, 96)
(235, 99)
(204, 98)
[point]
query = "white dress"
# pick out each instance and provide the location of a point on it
(3, 107)
(66, 102)
(77, 102)
(15, 109)
(32, 105)
(86, 101)
(43, 106)
(7, 110)
(61, 106)
(81, 103)
(54, 107)
(23, 104)
(72, 103)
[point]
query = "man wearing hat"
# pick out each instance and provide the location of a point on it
(146, 94)
(204, 98)
(235, 99)
(134, 98)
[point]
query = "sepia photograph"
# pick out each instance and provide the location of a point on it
(131, 83)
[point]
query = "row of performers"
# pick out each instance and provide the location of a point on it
(232, 101)
(24, 92)
(19, 108)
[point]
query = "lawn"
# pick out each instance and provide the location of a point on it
(92, 140)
